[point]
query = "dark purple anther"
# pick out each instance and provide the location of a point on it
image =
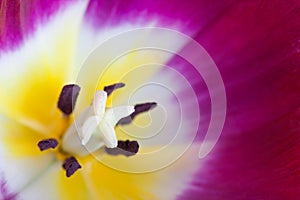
(47, 144)
(130, 146)
(126, 148)
(71, 165)
(67, 98)
(139, 108)
(109, 89)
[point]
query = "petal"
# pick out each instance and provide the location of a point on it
(256, 79)
(54, 184)
(164, 134)
(259, 68)
(21, 161)
(176, 118)
(257, 153)
(190, 18)
(109, 183)
(108, 134)
(117, 59)
(30, 173)
(113, 115)
(19, 19)
(259, 164)
(37, 70)
(18, 140)
(76, 186)
(21, 173)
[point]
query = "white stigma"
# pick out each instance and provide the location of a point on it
(94, 127)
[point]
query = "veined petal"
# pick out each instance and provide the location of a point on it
(258, 150)
(119, 60)
(21, 161)
(190, 18)
(259, 68)
(45, 55)
(260, 164)
(19, 19)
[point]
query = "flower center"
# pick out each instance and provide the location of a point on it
(94, 128)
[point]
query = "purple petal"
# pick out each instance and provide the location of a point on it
(19, 18)
(191, 16)
(255, 44)
(258, 60)
(260, 164)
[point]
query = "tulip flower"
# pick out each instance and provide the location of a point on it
(101, 99)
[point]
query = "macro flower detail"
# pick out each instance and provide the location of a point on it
(97, 117)
(223, 77)
(93, 128)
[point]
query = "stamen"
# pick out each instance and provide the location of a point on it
(109, 89)
(47, 144)
(139, 108)
(71, 165)
(67, 98)
(126, 148)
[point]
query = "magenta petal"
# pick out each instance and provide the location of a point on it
(256, 47)
(19, 18)
(258, 58)
(255, 44)
(187, 16)
(261, 164)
